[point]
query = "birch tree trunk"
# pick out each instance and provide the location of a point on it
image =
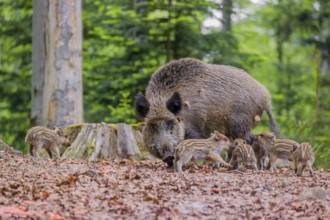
(57, 63)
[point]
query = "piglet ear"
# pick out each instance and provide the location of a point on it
(141, 105)
(174, 103)
(217, 135)
(294, 147)
(59, 131)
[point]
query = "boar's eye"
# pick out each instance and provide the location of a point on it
(153, 127)
(236, 143)
(226, 139)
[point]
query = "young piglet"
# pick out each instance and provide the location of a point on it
(40, 137)
(302, 156)
(281, 149)
(243, 155)
(198, 149)
(261, 148)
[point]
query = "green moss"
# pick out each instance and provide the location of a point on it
(89, 150)
(72, 131)
(138, 126)
(113, 126)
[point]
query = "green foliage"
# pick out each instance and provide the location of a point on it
(15, 70)
(281, 43)
(125, 42)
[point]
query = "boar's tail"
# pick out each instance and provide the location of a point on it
(272, 121)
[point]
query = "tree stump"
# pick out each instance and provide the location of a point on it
(126, 143)
(114, 141)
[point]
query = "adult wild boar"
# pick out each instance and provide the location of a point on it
(189, 99)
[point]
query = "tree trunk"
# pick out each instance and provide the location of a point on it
(114, 141)
(227, 10)
(322, 124)
(168, 34)
(322, 91)
(57, 63)
(38, 54)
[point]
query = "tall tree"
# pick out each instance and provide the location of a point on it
(57, 63)
(227, 10)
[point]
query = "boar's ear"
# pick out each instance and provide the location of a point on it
(174, 103)
(141, 105)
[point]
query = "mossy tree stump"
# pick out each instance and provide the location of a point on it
(114, 141)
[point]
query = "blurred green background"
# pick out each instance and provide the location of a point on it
(283, 44)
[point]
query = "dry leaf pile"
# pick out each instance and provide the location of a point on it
(44, 189)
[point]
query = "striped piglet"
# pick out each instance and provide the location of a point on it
(40, 137)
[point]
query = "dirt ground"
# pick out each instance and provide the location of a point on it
(44, 189)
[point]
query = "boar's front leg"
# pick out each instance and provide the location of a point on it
(254, 166)
(181, 162)
(215, 157)
(49, 153)
(31, 149)
(309, 166)
(56, 151)
(300, 169)
(272, 164)
(36, 148)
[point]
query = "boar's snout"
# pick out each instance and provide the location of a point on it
(168, 152)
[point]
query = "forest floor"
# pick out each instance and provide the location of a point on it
(44, 189)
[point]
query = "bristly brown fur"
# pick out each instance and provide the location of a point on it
(220, 97)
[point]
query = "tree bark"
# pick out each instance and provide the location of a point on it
(57, 63)
(126, 143)
(113, 141)
(322, 90)
(227, 10)
(38, 55)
